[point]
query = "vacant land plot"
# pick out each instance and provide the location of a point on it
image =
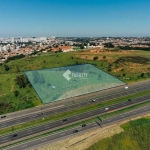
(65, 82)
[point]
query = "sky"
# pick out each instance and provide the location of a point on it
(74, 18)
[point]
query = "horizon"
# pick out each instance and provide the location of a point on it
(76, 18)
(79, 37)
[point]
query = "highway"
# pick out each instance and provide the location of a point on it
(50, 112)
(31, 145)
(71, 120)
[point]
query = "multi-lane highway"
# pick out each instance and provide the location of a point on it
(50, 112)
(71, 120)
(63, 134)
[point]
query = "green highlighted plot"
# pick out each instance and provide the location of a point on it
(65, 82)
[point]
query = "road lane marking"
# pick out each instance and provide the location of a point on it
(47, 125)
(3, 126)
(23, 146)
(29, 130)
(4, 137)
(4, 141)
(44, 140)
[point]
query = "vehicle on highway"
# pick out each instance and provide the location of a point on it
(3, 116)
(106, 108)
(75, 131)
(64, 120)
(93, 100)
(14, 135)
(129, 100)
(84, 125)
(35, 115)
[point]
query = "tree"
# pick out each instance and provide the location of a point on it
(142, 75)
(104, 57)
(16, 92)
(36, 76)
(48, 84)
(17, 68)
(108, 45)
(42, 80)
(22, 81)
(95, 57)
(124, 75)
(82, 46)
(6, 67)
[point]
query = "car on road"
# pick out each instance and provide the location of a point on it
(15, 135)
(64, 120)
(93, 100)
(35, 115)
(106, 108)
(75, 131)
(84, 125)
(129, 100)
(3, 116)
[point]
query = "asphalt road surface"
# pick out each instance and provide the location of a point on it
(71, 120)
(69, 133)
(30, 117)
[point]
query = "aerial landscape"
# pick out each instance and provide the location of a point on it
(74, 75)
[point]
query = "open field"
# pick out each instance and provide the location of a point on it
(51, 85)
(128, 71)
(136, 136)
(129, 66)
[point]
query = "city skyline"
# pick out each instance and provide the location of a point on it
(84, 18)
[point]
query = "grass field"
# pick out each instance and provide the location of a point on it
(136, 136)
(128, 71)
(129, 66)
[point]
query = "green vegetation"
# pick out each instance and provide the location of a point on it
(130, 66)
(109, 45)
(27, 98)
(133, 59)
(136, 136)
(134, 48)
